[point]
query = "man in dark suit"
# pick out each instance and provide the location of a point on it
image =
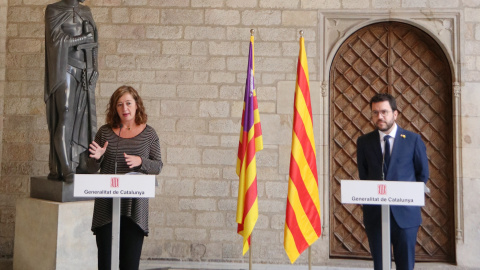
(404, 159)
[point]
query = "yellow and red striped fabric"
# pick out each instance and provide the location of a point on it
(250, 142)
(302, 222)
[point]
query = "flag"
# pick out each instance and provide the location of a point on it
(302, 222)
(250, 142)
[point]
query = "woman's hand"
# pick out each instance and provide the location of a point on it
(132, 161)
(96, 151)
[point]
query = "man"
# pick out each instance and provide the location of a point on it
(403, 159)
(71, 72)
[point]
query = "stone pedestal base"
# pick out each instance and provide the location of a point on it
(53, 190)
(51, 235)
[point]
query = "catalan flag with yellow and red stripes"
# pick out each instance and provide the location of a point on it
(302, 222)
(250, 142)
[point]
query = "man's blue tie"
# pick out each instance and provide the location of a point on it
(386, 155)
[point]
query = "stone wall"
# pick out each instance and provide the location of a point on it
(188, 59)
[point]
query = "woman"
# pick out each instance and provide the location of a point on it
(125, 144)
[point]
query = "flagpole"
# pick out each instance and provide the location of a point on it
(309, 247)
(309, 258)
(250, 255)
(252, 31)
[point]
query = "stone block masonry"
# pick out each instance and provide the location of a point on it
(188, 59)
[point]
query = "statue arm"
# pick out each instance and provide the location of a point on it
(55, 18)
(81, 39)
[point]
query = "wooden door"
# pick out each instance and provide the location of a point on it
(395, 58)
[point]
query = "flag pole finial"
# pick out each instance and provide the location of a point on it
(301, 33)
(252, 31)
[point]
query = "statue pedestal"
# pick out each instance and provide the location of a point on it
(51, 235)
(53, 190)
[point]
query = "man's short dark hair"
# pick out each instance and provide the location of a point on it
(384, 97)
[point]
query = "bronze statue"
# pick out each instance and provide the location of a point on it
(71, 73)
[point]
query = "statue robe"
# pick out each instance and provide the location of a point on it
(57, 44)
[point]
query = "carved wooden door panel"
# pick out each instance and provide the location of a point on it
(402, 60)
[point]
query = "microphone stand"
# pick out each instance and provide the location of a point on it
(386, 245)
(116, 148)
(116, 219)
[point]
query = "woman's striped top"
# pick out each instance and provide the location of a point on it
(145, 145)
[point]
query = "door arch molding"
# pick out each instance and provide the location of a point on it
(443, 27)
(403, 60)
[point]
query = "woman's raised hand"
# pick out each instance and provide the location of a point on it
(96, 151)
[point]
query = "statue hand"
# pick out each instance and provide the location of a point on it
(87, 27)
(132, 161)
(96, 151)
(82, 39)
(89, 37)
(93, 78)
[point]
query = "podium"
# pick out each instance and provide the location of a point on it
(384, 193)
(115, 186)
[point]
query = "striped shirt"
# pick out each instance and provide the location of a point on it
(145, 145)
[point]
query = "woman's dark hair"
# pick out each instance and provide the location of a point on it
(384, 97)
(112, 118)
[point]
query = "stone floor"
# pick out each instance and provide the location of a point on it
(6, 264)
(333, 265)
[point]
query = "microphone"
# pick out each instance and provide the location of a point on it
(116, 148)
(386, 155)
(383, 162)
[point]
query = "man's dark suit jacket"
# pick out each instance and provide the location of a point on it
(408, 162)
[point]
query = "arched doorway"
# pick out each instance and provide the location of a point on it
(400, 59)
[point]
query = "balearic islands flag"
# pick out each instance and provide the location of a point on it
(250, 143)
(302, 223)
